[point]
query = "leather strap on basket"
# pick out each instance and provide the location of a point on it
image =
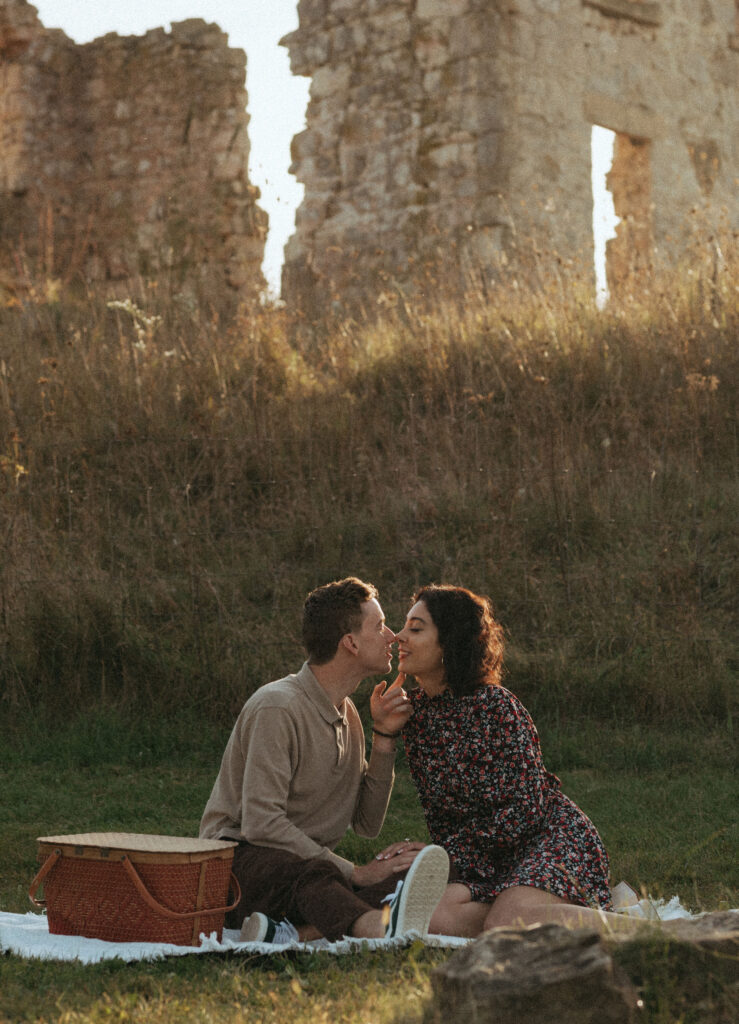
(173, 914)
(45, 869)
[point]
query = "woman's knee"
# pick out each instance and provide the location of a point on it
(455, 896)
(519, 906)
(457, 914)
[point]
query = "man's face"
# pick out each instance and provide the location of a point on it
(374, 639)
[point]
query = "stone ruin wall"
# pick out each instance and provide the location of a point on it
(452, 133)
(125, 158)
(443, 137)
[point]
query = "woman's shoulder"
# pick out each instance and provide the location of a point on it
(501, 700)
(491, 699)
(493, 694)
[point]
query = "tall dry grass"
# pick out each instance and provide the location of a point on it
(172, 485)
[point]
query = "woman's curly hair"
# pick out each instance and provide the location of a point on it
(470, 638)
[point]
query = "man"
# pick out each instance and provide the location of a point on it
(294, 777)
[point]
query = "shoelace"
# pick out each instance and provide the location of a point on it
(392, 896)
(285, 932)
(388, 904)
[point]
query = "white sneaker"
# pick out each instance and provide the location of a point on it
(626, 901)
(622, 895)
(417, 895)
(260, 928)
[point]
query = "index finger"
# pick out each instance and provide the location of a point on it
(397, 683)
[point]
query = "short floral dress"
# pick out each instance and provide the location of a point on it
(490, 802)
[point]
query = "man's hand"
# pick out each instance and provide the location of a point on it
(393, 860)
(389, 706)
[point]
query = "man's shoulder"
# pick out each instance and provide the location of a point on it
(279, 693)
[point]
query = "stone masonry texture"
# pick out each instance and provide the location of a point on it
(125, 158)
(456, 134)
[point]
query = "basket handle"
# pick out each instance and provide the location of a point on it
(45, 869)
(153, 904)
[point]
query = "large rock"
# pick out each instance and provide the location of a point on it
(688, 969)
(546, 974)
(717, 932)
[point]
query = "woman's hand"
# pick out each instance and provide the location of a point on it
(389, 706)
(393, 860)
(400, 849)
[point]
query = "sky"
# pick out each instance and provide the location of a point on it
(604, 215)
(277, 99)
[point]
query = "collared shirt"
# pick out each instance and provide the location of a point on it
(294, 775)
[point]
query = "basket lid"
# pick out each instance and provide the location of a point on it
(139, 842)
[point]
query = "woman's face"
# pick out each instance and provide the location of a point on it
(419, 651)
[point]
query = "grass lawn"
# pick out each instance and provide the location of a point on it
(664, 802)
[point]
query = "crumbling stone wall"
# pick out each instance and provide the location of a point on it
(125, 156)
(455, 135)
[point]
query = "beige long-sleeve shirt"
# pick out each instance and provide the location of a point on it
(294, 774)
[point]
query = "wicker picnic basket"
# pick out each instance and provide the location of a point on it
(125, 887)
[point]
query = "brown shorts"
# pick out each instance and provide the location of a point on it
(283, 885)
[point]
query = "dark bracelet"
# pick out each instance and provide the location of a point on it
(387, 735)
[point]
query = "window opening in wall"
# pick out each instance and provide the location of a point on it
(604, 214)
(628, 243)
(629, 254)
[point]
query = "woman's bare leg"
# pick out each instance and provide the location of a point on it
(456, 914)
(523, 905)
(371, 925)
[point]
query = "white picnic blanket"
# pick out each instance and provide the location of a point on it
(28, 935)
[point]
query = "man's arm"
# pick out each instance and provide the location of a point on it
(390, 710)
(271, 756)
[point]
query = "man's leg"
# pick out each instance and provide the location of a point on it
(455, 913)
(416, 894)
(305, 892)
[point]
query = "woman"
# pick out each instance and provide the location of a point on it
(521, 851)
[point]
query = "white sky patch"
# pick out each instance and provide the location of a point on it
(604, 214)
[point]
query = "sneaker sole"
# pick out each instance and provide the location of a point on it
(256, 928)
(423, 887)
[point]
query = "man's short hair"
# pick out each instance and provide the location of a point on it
(330, 612)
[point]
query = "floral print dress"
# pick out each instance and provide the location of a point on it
(490, 802)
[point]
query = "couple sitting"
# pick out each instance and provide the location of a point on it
(508, 847)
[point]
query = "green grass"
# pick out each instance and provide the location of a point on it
(665, 803)
(319, 989)
(164, 509)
